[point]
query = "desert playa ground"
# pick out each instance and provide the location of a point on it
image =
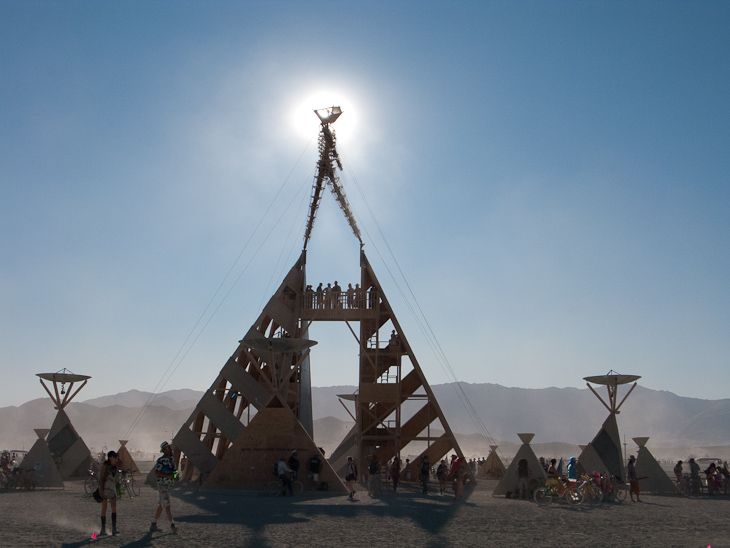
(67, 518)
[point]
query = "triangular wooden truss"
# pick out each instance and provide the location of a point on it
(395, 409)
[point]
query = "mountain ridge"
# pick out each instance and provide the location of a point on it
(555, 415)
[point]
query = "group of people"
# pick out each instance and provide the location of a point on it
(334, 297)
(394, 469)
(287, 470)
(717, 477)
(109, 483)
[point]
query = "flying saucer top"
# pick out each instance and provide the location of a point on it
(63, 377)
(611, 380)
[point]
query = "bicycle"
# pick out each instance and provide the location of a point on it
(91, 482)
(129, 485)
(275, 487)
(22, 478)
(591, 492)
(545, 495)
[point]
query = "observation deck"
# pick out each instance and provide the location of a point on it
(357, 305)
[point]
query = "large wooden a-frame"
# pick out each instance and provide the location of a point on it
(395, 408)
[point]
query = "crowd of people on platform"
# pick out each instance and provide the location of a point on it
(333, 297)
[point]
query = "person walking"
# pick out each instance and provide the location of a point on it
(108, 481)
(425, 472)
(395, 472)
(351, 477)
(315, 464)
(165, 474)
(374, 477)
(523, 480)
(442, 473)
(633, 479)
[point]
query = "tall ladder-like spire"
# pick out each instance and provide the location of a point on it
(328, 158)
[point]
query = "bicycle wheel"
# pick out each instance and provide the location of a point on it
(274, 488)
(573, 496)
(593, 494)
(543, 496)
(134, 487)
(298, 488)
(89, 485)
(621, 493)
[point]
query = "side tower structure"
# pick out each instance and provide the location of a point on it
(604, 452)
(69, 451)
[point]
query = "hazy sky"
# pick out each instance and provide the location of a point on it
(550, 177)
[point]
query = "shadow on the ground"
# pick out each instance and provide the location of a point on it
(429, 512)
(145, 540)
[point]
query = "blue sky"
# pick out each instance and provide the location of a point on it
(551, 179)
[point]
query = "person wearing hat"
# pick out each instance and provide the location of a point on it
(633, 480)
(573, 469)
(165, 474)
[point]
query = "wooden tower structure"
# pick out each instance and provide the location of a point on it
(604, 452)
(260, 405)
(69, 451)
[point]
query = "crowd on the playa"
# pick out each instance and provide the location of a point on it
(717, 478)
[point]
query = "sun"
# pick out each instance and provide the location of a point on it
(306, 122)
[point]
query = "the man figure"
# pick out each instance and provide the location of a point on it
(166, 474)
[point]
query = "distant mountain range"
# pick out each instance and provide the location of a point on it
(560, 418)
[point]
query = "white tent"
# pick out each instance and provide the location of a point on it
(655, 479)
(39, 458)
(508, 483)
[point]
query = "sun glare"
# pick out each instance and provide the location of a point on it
(307, 123)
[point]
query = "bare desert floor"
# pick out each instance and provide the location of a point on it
(68, 518)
